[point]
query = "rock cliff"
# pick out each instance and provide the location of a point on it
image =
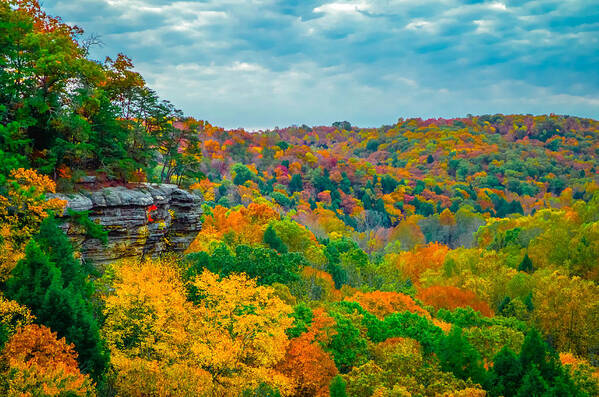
(146, 220)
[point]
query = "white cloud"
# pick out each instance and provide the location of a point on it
(483, 26)
(268, 62)
(342, 8)
(420, 25)
(497, 6)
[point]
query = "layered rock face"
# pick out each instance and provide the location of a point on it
(144, 221)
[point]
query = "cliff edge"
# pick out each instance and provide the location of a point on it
(146, 220)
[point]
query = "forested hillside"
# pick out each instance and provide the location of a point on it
(440, 257)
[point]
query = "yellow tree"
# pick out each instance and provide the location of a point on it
(163, 344)
(14, 316)
(22, 210)
(149, 329)
(568, 310)
(241, 333)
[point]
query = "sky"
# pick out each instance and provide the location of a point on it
(258, 64)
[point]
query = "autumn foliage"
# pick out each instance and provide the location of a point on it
(41, 364)
(427, 257)
(381, 303)
(447, 297)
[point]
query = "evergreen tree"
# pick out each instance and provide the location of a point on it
(503, 305)
(533, 384)
(506, 374)
(457, 355)
(345, 184)
(337, 387)
(528, 302)
(535, 352)
(526, 264)
(296, 184)
(51, 282)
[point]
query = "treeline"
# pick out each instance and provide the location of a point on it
(430, 257)
(67, 115)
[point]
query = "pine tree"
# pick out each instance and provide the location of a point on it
(526, 265)
(503, 305)
(296, 184)
(506, 374)
(533, 350)
(533, 384)
(51, 282)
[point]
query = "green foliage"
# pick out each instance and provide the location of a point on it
(263, 390)
(51, 282)
(506, 373)
(67, 115)
(535, 372)
(92, 229)
(295, 184)
(266, 265)
(242, 174)
(274, 241)
(533, 384)
(458, 356)
(302, 319)
(468, 317)
(408, 325)
(337, 387)
(526, 264)
(281, 199)
(4, 335)
(347, 346)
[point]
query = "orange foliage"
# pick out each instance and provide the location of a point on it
(246, 224)
(21, 213)
(448, 297)
(413, 263)
(446, 327)
(446, 218)
(310, 367)
(41, 364)
(576, 362)
(382, 303)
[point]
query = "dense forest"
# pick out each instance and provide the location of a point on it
(439, 257)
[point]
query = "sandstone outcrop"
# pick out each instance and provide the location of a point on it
(143, 221)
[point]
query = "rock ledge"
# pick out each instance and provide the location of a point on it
(134, 227)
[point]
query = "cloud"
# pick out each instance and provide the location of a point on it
(260, 63)
(339, 9)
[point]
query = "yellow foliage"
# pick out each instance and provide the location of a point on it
(163, 344)
(14, 315)
(241, 332)
(28, 208)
